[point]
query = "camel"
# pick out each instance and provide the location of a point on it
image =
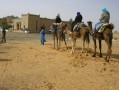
(58, 35)
(79, 31)
(105, 35)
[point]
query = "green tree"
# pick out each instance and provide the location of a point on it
(6, 25)
(10, 18)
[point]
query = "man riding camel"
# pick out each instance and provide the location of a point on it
(104, 19)
(58, 22)
(58, 19)
(78, 19)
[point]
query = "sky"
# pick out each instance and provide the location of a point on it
(90, 9)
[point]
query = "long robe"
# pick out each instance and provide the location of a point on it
(42, 36)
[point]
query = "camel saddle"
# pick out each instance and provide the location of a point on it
(102, 28)
(79, 25)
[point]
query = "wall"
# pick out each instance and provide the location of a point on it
(46, 22)
(24, 21)
(33, 22)
(16, 22)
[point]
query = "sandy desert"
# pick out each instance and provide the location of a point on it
(25, 64)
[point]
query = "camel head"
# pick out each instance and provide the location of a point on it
(90, 27)
(67, 30)
(111, 26)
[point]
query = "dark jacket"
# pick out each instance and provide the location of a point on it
(78, 19)
(58, 19)
(4, 31)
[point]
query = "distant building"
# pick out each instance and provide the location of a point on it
(27, 21)
(30, 22)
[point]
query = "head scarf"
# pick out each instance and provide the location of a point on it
(104, 9)
(78, 13)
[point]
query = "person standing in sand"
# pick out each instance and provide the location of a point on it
(42, 35)
(3, 35)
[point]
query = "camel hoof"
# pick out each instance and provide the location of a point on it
(100, 55)
(86, 54)
(80, 54)
(93, 55)
(58, 48)
(71, 52)
(107, 60)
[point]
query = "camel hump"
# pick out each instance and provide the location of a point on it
(79, 25)
(59, 27)
(82, 24)
(53, 27)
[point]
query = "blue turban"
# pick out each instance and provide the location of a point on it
(78, 13)
(104, 9)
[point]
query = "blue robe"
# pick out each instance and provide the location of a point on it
(42, 36)
(97, 26)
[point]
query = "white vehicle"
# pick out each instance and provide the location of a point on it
(2, 29)
(26, 31)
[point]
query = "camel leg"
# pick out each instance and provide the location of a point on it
(109, 51)
(54, 42)
(65, 43)
(73, 45)
(95, 46)
(100, 47)
(87, 49)
(87, 42)
(57, 42)
(83, 46)
(108, 54)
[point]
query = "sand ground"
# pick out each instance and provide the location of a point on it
(25, 64)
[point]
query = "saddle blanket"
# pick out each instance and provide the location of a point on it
(102, 28)
(79, 25)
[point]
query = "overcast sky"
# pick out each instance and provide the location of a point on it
(90, 9)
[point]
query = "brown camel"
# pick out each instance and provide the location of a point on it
(58, 35)
(79, 31)
(105, 35)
